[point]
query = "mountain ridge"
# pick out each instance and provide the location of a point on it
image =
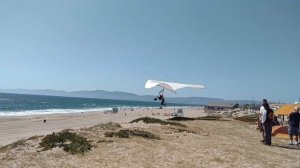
(119, 95)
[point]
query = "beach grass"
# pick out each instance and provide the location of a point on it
(126, 133)
(70, 142)
(248, 118)
(209, 118)
(107, 126)
(149, 120)
(181, 119)
(20, 142)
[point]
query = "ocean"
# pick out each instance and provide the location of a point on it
(22, 105)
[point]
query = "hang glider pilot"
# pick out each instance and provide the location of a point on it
(161, 97)
(169, 86)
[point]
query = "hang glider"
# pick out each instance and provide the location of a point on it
(170, 85)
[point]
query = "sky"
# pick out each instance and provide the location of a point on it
(238, 49)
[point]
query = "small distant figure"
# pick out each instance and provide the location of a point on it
(293, 130)
(267, 121)
(45, 121)
(125, 114)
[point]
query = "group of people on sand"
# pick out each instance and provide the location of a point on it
(267, 120)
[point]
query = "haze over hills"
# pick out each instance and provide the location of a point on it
(118, 95)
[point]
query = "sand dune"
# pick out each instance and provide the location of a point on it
(201, 143)
(15, 128)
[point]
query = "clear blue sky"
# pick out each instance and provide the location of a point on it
(238, 49)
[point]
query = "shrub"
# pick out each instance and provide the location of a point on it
(108, 126)
(78, 144)
(103, 140)
(128, 133)
(13, 145)
(209, 118)
(18, 143)
(148, 120)
(248, 118)
(181, 119)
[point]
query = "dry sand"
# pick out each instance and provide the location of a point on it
(202, 143)
(15, 128)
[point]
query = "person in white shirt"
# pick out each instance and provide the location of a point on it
(266, 120)
(259, 123)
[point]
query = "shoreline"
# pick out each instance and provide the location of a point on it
(43, 112)
(14, 128)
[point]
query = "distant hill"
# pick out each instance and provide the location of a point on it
(118, 95)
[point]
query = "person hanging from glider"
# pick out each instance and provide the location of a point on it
(168, 86)
(161, 98)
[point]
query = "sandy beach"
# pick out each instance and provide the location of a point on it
(15, 128)
(201, 143)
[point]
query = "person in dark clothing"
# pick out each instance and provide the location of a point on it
(267, 121)
(293, 130)
(161, 98)
(275, 121)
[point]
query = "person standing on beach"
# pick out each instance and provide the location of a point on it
(260, 126)
(293, 130)
(266, 120)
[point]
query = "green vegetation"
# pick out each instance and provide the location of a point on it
(181, 119)
(183, 130)
(103, 141)
(18, 143)
(107, 126)
(35, 138)
(128, 133)
(13, 145)
(227, 114)
(248, 118)
(148, 120)
(209, 118)
(71, 142)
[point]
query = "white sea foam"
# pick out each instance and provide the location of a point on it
(51, 111)
(65, 111)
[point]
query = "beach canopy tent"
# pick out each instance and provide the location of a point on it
(286, 109)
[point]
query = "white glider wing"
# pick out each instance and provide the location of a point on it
(170, 86)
